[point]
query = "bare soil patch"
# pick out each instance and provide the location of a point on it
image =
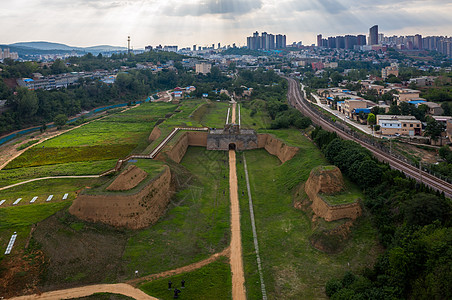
(79, 253)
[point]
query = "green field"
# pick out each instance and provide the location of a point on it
(182, 117)
(260, 120)
(292, 268)
(351, 194)
(44, 188)
(213, 281)
(20, 219)
(91, 148)
(11, 176)
(197, 222)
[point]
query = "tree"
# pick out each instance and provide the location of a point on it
(60, 120)
(426, 208)
(433, 129)
(27, 102)
(371, 119)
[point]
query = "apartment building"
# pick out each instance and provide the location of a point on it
(399, 125)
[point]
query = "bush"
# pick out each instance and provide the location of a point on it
(332, 286)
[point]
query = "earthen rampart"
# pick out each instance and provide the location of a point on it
(276, 147)
(128, 179)
(177, 150)
(329, 180)
(155, 134)
(133, 211)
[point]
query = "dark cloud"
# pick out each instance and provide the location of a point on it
(215, 7)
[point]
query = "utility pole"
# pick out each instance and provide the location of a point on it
(420, 170)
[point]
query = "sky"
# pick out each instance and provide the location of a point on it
(204, 22)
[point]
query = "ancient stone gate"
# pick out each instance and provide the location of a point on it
(232, 137)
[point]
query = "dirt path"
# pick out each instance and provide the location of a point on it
(184, 269)
(119, 288)
(238, 278)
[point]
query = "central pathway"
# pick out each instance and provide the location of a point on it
(238, 278)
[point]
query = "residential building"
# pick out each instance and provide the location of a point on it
(399, 125)
(352, 107)
(406, 95)
(203, 68)
(393, 69)
(434, 109)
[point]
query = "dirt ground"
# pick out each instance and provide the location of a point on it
(236, 261)
(119, 288)
(428, 156)
(79, 253)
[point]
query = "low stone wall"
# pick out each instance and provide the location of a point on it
(190, 138)
(276, 147)
(124, 210)
(322, 180)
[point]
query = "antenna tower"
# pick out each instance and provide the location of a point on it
(128, 44)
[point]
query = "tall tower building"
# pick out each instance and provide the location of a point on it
(319, 40)
(373, 35)
(361, 40)
(418, 42)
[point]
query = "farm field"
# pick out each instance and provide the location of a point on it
(292, 268)
(11, 176)
(90, 149)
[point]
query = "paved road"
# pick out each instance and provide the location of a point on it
(295, 99)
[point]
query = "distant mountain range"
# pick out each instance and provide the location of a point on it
(30, 48)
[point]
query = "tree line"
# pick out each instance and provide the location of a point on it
(413, 223)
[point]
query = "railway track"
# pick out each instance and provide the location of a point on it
(296, 100)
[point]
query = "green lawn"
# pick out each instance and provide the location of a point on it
(196, 224)
(351, 194)
(215, 114)
(209, 282)
(260, 120)
(292, 268)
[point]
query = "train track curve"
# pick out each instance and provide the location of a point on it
(296, 100)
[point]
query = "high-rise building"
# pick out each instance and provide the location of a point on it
(331, 43)
(319, 40)
(373, 35)
(361, 40)
(266, 41)
(340, 42)
(194, 47)
(418, 42)
(219, 45)
(350, 41)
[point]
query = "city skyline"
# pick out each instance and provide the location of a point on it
(203, 22)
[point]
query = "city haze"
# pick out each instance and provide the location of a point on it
(203, 22)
